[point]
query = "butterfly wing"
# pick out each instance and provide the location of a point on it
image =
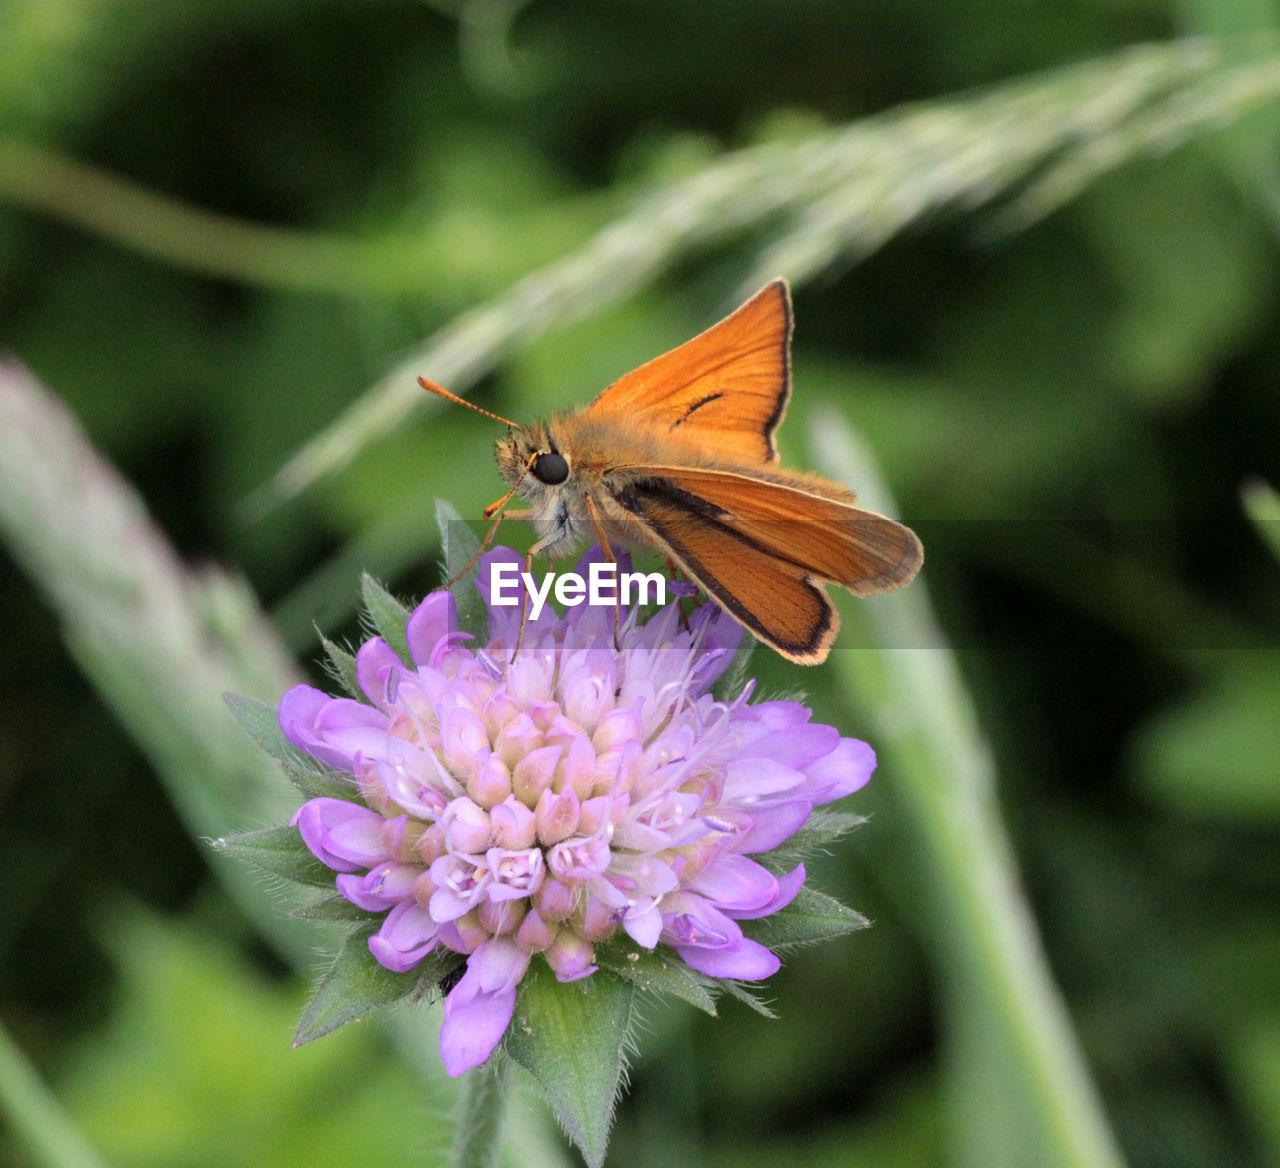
(774, 599)
(728, 387)
(757, 544)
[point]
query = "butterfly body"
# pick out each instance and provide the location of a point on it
(679, 455)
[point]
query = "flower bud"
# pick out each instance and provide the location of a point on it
(502, 916)
(557, 817)
(514, 825)
(532, 774)
(533, 936)
(554, 900)
(599, 920)
(466, 826)
(569, 956)
(491, 783)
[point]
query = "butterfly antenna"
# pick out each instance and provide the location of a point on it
(496, 508)
(440, 391)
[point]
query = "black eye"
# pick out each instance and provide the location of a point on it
(550, 468)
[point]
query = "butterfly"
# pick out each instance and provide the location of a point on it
(679, 455)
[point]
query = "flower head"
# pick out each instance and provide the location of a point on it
(513, 810)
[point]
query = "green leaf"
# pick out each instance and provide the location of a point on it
(572, 1037)
(1213, 754)
(658, 972)
(356, 984)
(262, 724)
(342, 667)
(280, 851)
(458, 540)
(316, 781)
(331, 908)
(735, 989)
(460, 544)
(389, 616)
(812, 916)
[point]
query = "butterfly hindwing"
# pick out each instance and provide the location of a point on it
(817, 529)
(774, 599)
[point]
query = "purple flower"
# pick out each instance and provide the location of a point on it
(540, 806)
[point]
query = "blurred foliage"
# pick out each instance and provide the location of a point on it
(196, 1067)
(221, 222)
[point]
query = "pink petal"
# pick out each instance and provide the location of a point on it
(407, 935)
(735, 883)
(771, 825)
(788, 886)
(432, 621)
(345, 836)
(374, 664)
(746, 961)
(478, 1009)
(845, 769)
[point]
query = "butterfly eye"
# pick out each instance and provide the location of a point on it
(551, 468)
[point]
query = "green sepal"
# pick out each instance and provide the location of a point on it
(280, 851)
(355, 984)
(572, 1038)
(388, 615)
(261, 722)
(341, 666)
(316, 781)
(821, 830)
(813, 916)
(331, 908)
(658, 972)
(735, 989)
(460, 544)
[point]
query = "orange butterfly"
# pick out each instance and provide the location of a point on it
(679, 455)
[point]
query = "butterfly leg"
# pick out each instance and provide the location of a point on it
(484, 543)
(608, 555)
(524, 605)
(524, 597)
(524, 591)
(494, 511)
(673, 570)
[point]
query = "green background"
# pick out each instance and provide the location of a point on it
(1067, 410)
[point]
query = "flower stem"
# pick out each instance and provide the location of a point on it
(161, 642)
(831, 195)
(203, 241)
(1020, 1092)
(479, 1130)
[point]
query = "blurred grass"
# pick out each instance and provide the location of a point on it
(1109, 368)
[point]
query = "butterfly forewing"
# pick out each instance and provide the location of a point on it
(727, 388)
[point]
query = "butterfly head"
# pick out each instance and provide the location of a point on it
(530, 461)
